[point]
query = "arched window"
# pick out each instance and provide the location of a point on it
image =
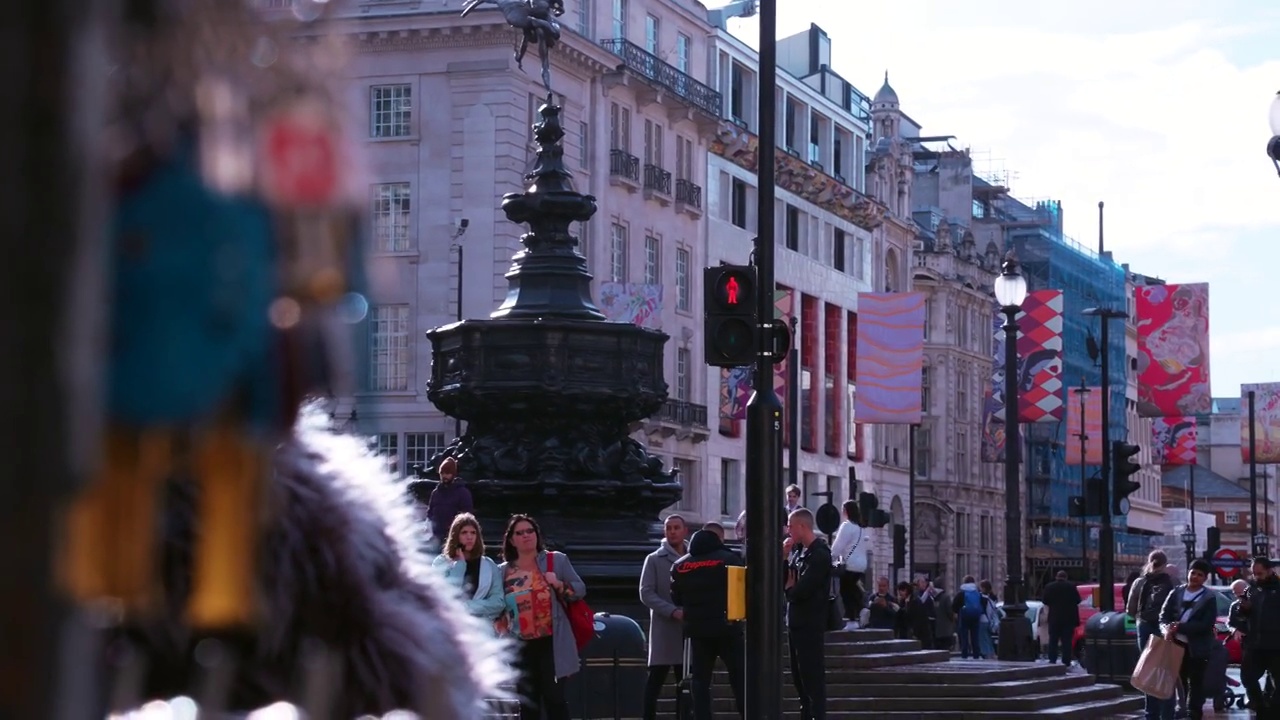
(891, 270)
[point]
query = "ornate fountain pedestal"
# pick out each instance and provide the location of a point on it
(550, 389)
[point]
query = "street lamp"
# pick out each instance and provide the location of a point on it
(1189, 542)
(1273, 147)
(1261, 544)
(1015, 633)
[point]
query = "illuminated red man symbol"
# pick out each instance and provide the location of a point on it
(731, 291)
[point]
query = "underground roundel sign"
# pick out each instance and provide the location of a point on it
(1227, 562)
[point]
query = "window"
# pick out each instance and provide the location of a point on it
(962, 530)
(419, 448)
(619, 128)
(652, 143)
(391, 217)
(962, 394)
(651, 34)
(688, 478)
(924, 445)
(1231, 517)
(928, 316)
(793, 228)
(391, 111)
(985, 539)
(388, 445)
(962, 455)
(389, 348)
(837, 249)
(652, 260)
(683, 375)
(584, 18)
(684, 158)
(730, 488)
(738, 203)
(962, 565)
(926, 397)
(683, 299)
(682, 53)
(984, 566)
(584, 146)
(584, 242)
(837, 157)
(619, 18)
(618, 254)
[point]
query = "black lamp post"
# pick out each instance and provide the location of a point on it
(1189, 542)
(1273, 147)
(1015, 632)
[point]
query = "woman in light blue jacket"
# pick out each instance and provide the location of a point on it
(464, 563)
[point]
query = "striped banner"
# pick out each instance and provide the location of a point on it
(890, 355)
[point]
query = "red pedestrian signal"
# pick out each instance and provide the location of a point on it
(729, 329)
(731, 291)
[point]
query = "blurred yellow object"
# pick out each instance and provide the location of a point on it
(737, 601)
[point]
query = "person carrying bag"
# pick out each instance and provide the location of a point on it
(1158, 668)
(850, 550)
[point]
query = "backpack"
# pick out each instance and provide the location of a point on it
(972, 608)
(1149, 611)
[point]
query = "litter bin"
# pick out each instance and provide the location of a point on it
(1110, 647)
(614, 667)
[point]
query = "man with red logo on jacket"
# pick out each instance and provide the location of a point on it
(700, 586)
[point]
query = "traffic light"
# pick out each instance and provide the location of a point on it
(899, 546)
(1122, 466)
(730, 326)
(1214, 541)
(869, 509)
(1087, 505)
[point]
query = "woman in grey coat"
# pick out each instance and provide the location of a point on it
(536, 586)
(666, 636)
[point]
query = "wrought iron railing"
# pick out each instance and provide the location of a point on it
(689, 194)
(650, 67)
(657, 179)
(684, 414)
(625, 165)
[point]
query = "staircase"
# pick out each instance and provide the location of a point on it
(871, 675)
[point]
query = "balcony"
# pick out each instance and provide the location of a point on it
(624, 169)
(657, 184)
(665, 82)
(684, 420)
(689, 197)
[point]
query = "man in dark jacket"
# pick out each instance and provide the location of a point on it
(1260, 609)
(1188, 618)
(1062, 600)
(808, 586)
(447, 500)
(700, 587)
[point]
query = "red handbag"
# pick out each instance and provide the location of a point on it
(581, 620)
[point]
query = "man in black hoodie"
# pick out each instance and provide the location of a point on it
(808, 588)
(1260, 607)
(700, 586)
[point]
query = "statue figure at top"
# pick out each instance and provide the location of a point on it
(534, 20)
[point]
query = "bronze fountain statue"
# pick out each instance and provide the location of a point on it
(533, 18)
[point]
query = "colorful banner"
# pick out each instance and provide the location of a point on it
(1174, 440)
(1091, 399)
(1040, 357)
(890, 355)
(992, 431)
(634, 303)
(1266, 422)
(1173, 350)
(735, 391)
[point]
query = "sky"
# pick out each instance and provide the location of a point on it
(1157, 108)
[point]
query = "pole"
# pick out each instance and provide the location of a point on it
(1106, 535)
(457, 422)
(1014, 632)
(793, 400)
(1253, 479)
(1191, 491)
(911, 500)
(1084, 482)
(764, 421)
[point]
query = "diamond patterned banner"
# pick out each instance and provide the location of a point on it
(1040, 357)
(1174, 439)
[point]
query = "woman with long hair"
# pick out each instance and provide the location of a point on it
(465, 566)
(850, 547)
(537, 585)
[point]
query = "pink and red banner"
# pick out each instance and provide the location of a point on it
(1174, 439)
(1173, 350)
(1040, 357)
(1266, 421)
(890, 355)
(1086, 404)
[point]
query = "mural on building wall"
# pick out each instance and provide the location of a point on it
(1174, 440)
(1266, 421)
(735, 391)
(1092, 407)
(1173, 350)
(635, 303)
(1039, 369)
(890, 355)
(735, 144)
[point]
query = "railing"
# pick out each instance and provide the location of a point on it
(652, 68)
(625, 165)
(657, 179)
(684, 414)
(689, 194)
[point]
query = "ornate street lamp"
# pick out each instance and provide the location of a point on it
(1015, 632)
(1189, 542)
(1273, 147)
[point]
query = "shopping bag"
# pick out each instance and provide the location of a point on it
(1156, 673)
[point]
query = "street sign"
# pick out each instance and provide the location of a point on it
(1228, 562)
